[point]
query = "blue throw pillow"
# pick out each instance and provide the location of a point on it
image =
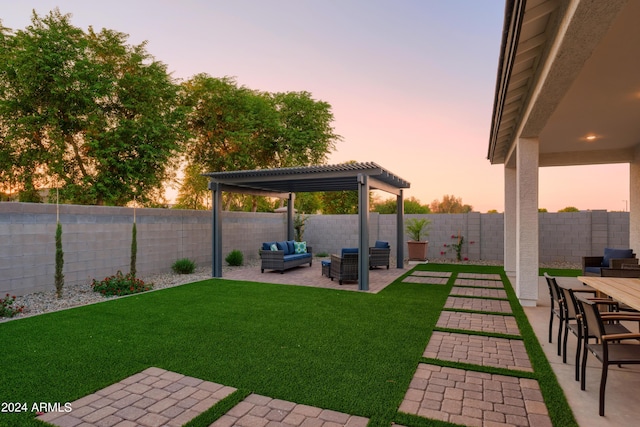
(610, 253)
(283, 247)
(291, 246)
(300, 247)
(266, 246)
(381, 244)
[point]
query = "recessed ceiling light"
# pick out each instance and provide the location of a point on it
(591, 137)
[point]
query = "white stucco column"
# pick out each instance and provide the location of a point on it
(510, 208)
(527, 221)
(634, 203)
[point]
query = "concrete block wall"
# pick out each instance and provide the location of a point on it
(97, 240)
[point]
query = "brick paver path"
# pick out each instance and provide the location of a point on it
(477, 304)
(478, 322)
(474, 398)
(478, 350)
(153, 397)
(479, 283)
(261, 411)
(479, 292)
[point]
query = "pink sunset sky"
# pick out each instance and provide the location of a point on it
(411, 83)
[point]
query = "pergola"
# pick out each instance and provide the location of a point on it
(285, 182)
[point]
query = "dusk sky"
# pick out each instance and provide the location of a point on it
(411, 83)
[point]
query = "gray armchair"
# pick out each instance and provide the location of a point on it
(379, 255)
(345, 266)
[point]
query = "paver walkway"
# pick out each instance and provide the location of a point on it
(156, 397)
(470, 397)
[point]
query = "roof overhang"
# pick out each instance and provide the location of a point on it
(568, 71)
(282, 181)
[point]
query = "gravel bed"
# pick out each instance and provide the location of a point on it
(83, 294)
(73, 296)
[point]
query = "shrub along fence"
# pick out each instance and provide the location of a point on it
(96, 240)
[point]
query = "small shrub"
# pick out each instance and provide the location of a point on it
(184, 266)
(7, 307)
(322, 254)
(235, 258)
(120, 284)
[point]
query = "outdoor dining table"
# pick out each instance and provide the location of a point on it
(620, 289)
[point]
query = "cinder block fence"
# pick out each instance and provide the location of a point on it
(96, 240)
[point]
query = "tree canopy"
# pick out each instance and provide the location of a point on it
(85, 112)
(411, 206)
(236, 128)
(450, 204)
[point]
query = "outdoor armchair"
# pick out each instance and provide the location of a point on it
(379, 255)
(345, 266)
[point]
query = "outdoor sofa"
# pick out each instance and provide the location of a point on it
(612, 259)
(284, 255)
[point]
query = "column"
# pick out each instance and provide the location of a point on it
(527, 221)
(510, 207)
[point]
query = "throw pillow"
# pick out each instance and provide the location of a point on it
(301, 247)
(274, 247)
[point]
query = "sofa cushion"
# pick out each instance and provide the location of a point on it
(610, 253)
(291, 245)
(266, 246)
(300, 247)
(294, 257)
(595, 270)
(381, 244)
(282, 246)
(349, 251)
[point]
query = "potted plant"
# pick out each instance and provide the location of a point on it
(416, 229)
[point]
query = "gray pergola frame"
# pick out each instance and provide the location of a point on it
(285, 182)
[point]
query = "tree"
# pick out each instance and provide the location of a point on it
(236, 128)
(569, 209)
(85, 111)
(411, 206)
(193, 189)
(450, 204)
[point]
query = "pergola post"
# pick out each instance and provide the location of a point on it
(400, 230)
(216, 229)
(363, 225)
(290, 222)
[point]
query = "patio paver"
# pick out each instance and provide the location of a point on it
(479, 292)
(482, 283)
(260, 411)
(478, 350)
(474, 398)
(478, 322)
(153, 397)
(485, 276)
(478, 304)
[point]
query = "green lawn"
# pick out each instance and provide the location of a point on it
(347, 351)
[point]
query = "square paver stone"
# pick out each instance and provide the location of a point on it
(478, 304)
(478, 322)
(474, 398)
(479, 350)
(260, 411)
(153, 397)
(480, 283)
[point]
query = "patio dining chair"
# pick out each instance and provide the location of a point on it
(573, 321)
(610, 348)
(556, 309)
